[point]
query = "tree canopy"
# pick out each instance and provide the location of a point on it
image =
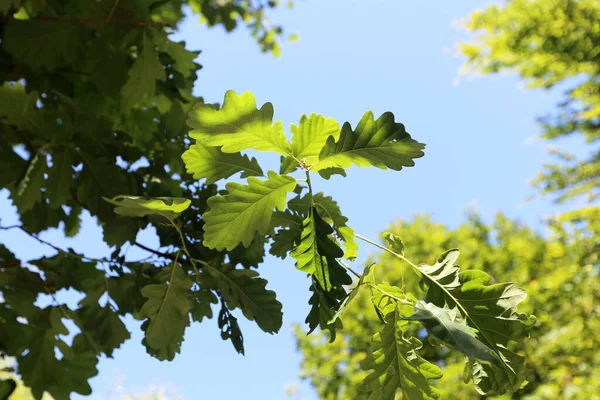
(93, 104)
(559, 273)
(550, 43)
(97, 115)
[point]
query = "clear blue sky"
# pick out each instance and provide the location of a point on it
(353, 55)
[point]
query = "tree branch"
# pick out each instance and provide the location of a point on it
(156, 252)
(104, 21)
(112, 11)
(58, 249)
(167, 256)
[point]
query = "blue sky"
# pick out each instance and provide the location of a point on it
(352, 56)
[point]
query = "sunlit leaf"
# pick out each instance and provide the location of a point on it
(397, 366)
(212, 164)
(247, 209)
(167, 309)
(238, 125)
(134, 206)
(491, 310)
(381, 143)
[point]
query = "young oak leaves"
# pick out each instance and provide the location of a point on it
(460, 309)
(490, 311)
(395, 363)
(238, 125)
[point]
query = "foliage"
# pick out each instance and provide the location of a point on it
(559, 273)
(549, 43)
(244, 214)
(93, 102)
(93, 105)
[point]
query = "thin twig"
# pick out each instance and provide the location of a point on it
(112, 11)
(58, 249)
(103, 21)
(155, 252)
(349, 269)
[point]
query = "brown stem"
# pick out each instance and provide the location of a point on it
(112, 11)
(104, 21)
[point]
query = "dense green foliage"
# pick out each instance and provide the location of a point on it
(550, 43)
(93, 108)
(559, 273)
(481, 317)
(93, 102)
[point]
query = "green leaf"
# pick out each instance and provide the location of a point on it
(382, 143)
(366, 277)
(119, 231)
(202, 304)
(41, 44)
(241, 288)
(99, 178)
(308, 138)
(285, 240)
(397, 366)
(167, 308)
(60, 178)
(17, 105)
(39, 367)
(394, 243)
(236, 217)
(317, 253)
(212, 164)
(103, 326)
(491, 310)
(327, 173)
(230, 329)
(142, 75)
(443, 276)
(29, 190)
(386, 298)
(250, 256)
(323, 308)
(73, 221)
(184, 59)
(5, 7)
(7, 387)
(67, 270)
(135, 206)
(329, 209)
(238, 125)
(445, 326)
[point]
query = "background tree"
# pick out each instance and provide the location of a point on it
(550, 44)
(93, 103)
(559, 274)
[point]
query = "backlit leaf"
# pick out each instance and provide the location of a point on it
(243, 289)
(212, 164)
(381, 143)
(238, 125)
(247, 209)
(397, 366)
(308, 138)
(134, 206)
(444, 326)
(142, 75)
(491, 310)
(167, 308)
(317, 253)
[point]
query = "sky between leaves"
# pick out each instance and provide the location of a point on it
(353, 55)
